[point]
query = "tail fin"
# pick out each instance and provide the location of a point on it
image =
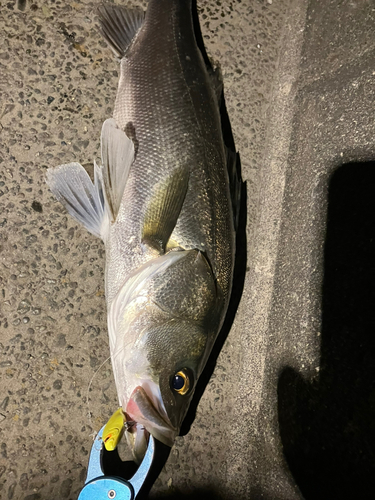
(119, 25)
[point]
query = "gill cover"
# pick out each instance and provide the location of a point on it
(161, 323)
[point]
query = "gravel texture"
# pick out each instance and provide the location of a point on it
(58, 83)
(299, 90)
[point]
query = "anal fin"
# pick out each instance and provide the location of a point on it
(164, 209)
(72, 186)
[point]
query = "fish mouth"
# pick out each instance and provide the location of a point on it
(141, 410)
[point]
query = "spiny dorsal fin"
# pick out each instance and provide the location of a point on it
(117, 158)
(119, 25)
(216, 78)
(164, 209)
(234, 184)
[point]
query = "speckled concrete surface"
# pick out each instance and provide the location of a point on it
(58, 83)
(321, 118)
(299, 89)
(333, 125)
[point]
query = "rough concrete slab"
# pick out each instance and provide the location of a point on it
(299, 89)
(58, 84)
(318, 302)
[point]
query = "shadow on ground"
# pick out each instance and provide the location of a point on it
(327, 426)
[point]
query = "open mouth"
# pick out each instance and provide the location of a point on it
(141, 410)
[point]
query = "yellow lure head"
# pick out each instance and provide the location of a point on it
(113, 430)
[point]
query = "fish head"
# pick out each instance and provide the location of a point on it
(164, 370)
(166, 330)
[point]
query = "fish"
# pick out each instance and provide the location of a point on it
(165, 202)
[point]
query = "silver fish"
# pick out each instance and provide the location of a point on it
(162, 203)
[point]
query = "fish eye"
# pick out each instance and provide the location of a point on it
(181, 382)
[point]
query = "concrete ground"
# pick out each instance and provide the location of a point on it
(299, 87)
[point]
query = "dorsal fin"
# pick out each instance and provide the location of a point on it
(234, 184)
(119, 25)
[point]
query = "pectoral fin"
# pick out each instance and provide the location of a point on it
(164, 209)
